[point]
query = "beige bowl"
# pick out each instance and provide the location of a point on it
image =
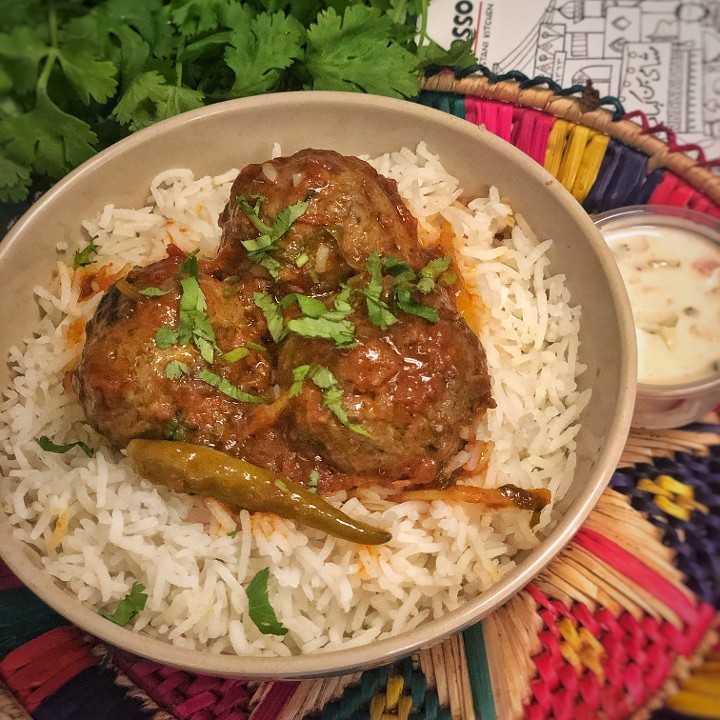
(238, 132)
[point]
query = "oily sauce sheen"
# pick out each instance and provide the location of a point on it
(384, 404)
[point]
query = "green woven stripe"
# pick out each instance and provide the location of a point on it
(447, 102)
(23, 616)
(479, 672)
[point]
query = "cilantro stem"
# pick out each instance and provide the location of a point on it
(44, 78)
(53, 23)
(425, 6)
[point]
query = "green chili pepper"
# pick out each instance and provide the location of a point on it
(199, 470)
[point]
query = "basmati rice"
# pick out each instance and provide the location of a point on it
(99, 528)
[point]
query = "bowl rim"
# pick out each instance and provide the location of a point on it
(379, 652)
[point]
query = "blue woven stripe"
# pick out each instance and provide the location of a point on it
(23, 616)
(92, 695)
(622, 180)
(479, 672)
(695, 540)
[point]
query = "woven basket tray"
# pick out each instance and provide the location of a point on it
(623, 623)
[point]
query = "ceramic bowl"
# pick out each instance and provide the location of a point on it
(235, 133)
(673, 400)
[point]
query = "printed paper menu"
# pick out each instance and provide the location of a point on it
(658, 56)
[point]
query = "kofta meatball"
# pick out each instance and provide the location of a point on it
(351, 212)
(407, 390)
(132, 385)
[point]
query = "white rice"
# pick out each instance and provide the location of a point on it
(99, 528)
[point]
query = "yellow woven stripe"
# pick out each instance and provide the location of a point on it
(590, 165)
(672, 496)
(674, 486)
(695, 704)
(391, 704)
(574, 155)
(556, 145)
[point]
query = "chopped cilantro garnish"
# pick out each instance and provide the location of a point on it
(236, 354)
(176, 369)
(194, 326)
(378, 310)
(259, 247)
(227, 388)
(165, 337)
(259, 608)
(319, 321)
(331, 392)
(406, 281)
(153, 292)
(47, 444)
(232, 533)
(174, 430)
(313, 480)
(84, 257)
(129, 606)
(273, 316)
(257, 347)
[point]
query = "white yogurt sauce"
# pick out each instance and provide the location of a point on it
(673, 279)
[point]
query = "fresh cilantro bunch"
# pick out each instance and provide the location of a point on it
(78, 75)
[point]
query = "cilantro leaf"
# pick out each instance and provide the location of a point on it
(85, 256)
(175, 369)
(90, 77)
(403, 298)
(174, 430)
(319, 321)
(378, 311)
(165, 337)
(23, 50)
(194, 17)
(341, 332)
(227, 388)
(357, 52)
(123, 31)
(14, 180)
(331, 392)
(459, 54)
(149, 99)
(236, 354)
(49, 445)
(47, 139)
(260, 50)
(259, 608)
(129, 606)
(259, 247)
(273, 316)
(153, 292)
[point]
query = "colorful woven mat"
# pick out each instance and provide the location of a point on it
(623, 623)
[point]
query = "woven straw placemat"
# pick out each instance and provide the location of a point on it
(623, 623)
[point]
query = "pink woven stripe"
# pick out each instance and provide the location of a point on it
(495, 116)
(531, 130)
(618, 558)
(35, 670)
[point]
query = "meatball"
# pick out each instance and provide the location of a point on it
(352, 211)
(410, 389)
(132, 386)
